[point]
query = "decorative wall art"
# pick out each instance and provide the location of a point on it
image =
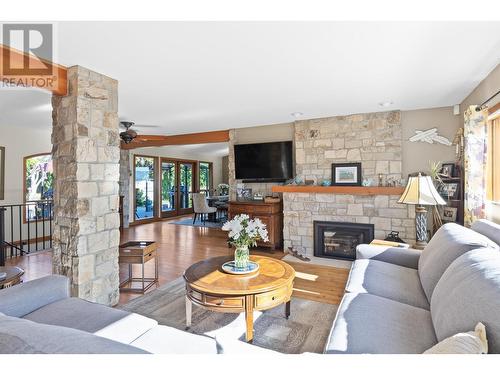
(430, 136)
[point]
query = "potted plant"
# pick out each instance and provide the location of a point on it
(244, 233)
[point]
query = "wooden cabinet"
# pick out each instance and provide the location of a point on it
(270, 214)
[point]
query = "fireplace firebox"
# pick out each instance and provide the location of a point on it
(334, 239)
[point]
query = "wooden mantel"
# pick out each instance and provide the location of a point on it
(350, 190)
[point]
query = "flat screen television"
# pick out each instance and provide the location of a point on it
(264, 161)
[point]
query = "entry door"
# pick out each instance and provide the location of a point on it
(185, 188)
(177, 186)
(168, 188)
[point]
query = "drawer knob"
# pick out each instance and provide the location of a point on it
(220, 303)
(273, 298)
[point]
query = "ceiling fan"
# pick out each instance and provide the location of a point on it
(129, 135)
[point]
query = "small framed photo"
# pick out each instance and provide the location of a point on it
(447, 170)
(450, 190)
(449, 214)
(346, 174)
(244, 194)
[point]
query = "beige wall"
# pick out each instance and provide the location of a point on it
(489, 86)
(416, 155)
(20, 142)
(266, 133)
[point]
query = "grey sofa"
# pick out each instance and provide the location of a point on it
(39, 316)
(406, 300)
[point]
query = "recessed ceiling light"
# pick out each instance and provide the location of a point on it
(296, 114)
(386, 104)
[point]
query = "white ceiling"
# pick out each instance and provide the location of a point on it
(196, 76)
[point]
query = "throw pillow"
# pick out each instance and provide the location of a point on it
(473, 342)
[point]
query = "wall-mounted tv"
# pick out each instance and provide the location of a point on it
(264, 161)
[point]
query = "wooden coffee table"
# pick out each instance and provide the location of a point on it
(208, 286)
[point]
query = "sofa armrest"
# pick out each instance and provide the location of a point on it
(394, 255)
(27, 297)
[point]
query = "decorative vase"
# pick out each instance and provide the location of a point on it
(241, 257)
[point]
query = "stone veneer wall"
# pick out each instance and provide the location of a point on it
(301, 209)
(86, 154)
(374, 139)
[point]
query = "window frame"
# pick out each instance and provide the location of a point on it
(210, 176)
(25, 187)
(493, 155)
(155, 185)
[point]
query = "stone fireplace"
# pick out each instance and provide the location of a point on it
(333, 239)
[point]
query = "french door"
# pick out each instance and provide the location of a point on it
(177, 186)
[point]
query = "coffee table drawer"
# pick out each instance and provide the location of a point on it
(273, 298)
(195, 295)
(224, 301)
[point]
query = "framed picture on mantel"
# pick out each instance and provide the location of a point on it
(346, 174)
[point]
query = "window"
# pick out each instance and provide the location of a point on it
(493, 158)
(205, 175)
(38, 183)
(144, 177)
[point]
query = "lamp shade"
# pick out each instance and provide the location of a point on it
(421, 191)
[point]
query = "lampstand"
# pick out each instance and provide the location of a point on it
(421, 227)
(420, 191)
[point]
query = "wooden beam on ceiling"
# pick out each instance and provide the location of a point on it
(26, 65)
(181, 139)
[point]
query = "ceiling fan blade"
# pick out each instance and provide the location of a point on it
(146, 126)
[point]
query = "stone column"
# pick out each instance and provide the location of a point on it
(125, 185)
(86, 155)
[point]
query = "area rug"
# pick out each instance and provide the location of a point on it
(306, 330)
(198, 223)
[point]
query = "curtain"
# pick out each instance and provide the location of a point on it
(475, 170)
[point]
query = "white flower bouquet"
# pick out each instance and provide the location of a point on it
(244, 233)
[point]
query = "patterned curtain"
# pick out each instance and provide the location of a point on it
(475, 148)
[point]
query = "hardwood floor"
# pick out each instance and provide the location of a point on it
(179, 246)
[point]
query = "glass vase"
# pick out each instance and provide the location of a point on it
(241, 257)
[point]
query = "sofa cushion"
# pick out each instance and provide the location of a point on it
(370, 324)
(448, 243)
(24, 298)
(469, 292)
(488, 229)
(168, 340)
(78, 314)
(399, 256)
(387, 280)
(21, 336)
(127, 329)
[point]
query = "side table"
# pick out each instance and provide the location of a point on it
(13, 276)
(138, 252)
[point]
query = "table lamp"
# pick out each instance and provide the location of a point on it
(421, 192)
